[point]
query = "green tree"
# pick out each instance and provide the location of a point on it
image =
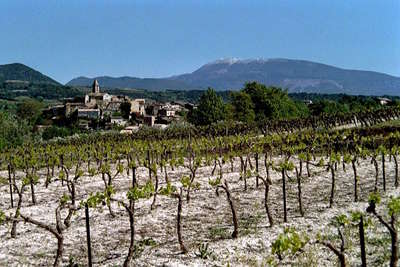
(29, 110)
(54, 131)
(243, 107)
(13, 132)
(125, 109)
(271, 102)
(210, 109)
(329, 107)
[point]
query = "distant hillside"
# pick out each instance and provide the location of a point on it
(295, 75)
(17, 72)
(131, 82)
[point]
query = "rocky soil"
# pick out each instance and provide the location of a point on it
(206, 219)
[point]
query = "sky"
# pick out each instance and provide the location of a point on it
(65, 39)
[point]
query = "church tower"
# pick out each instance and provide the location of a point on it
(95, 87)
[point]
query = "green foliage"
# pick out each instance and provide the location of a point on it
(394, 205)
(347, 158)
(286, 165)
(288, 242)
(94, 200)
(55, 131)
(210, 109)
(338, 104)
(334, 158)
(185, 181)
(62, 175)
(3, 181)
(374, 197)
(204, 252)
(180, 161)
(243, 107)
(64, 199)
(120, 168)
(218, 232)
(140, 246)
(148, 242)
(382, 149)
(30, 178)
(92, 172)
(79, 173)
(26, 180)
(29, 110)
(168, 190)
(105, 168)
(271, 102)
(13, 131)
(327, 107)
(302, 156)
(139, 192)
(2, 217)
(215, 182)
(355, 218)
(38, 90)
(125, 108)
(340, 220)
(132, 164)
(249, 224)
(109, 192)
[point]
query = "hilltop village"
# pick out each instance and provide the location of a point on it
(102, 110)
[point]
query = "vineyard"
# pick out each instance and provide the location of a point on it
(320, 191)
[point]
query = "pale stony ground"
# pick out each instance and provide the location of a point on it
(206, 219)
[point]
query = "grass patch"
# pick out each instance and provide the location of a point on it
(249, 224)
(218, 232)
(141, 244)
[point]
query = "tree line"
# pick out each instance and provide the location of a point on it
(257, 102)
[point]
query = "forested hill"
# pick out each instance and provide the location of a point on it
(17, 72)
(19, 80)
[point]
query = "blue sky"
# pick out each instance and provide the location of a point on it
(71, 38)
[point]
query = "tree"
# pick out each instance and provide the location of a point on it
(29, 110)
(13, 132)
(328, 107)
(125, 109)
(243, 107)
(271, 102)
(209, 110)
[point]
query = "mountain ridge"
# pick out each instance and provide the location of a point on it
(296, 75)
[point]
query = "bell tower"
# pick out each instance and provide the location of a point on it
(95, 87)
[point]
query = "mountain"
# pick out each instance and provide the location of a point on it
(153, 84)
(295, 75)
(17, 72)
